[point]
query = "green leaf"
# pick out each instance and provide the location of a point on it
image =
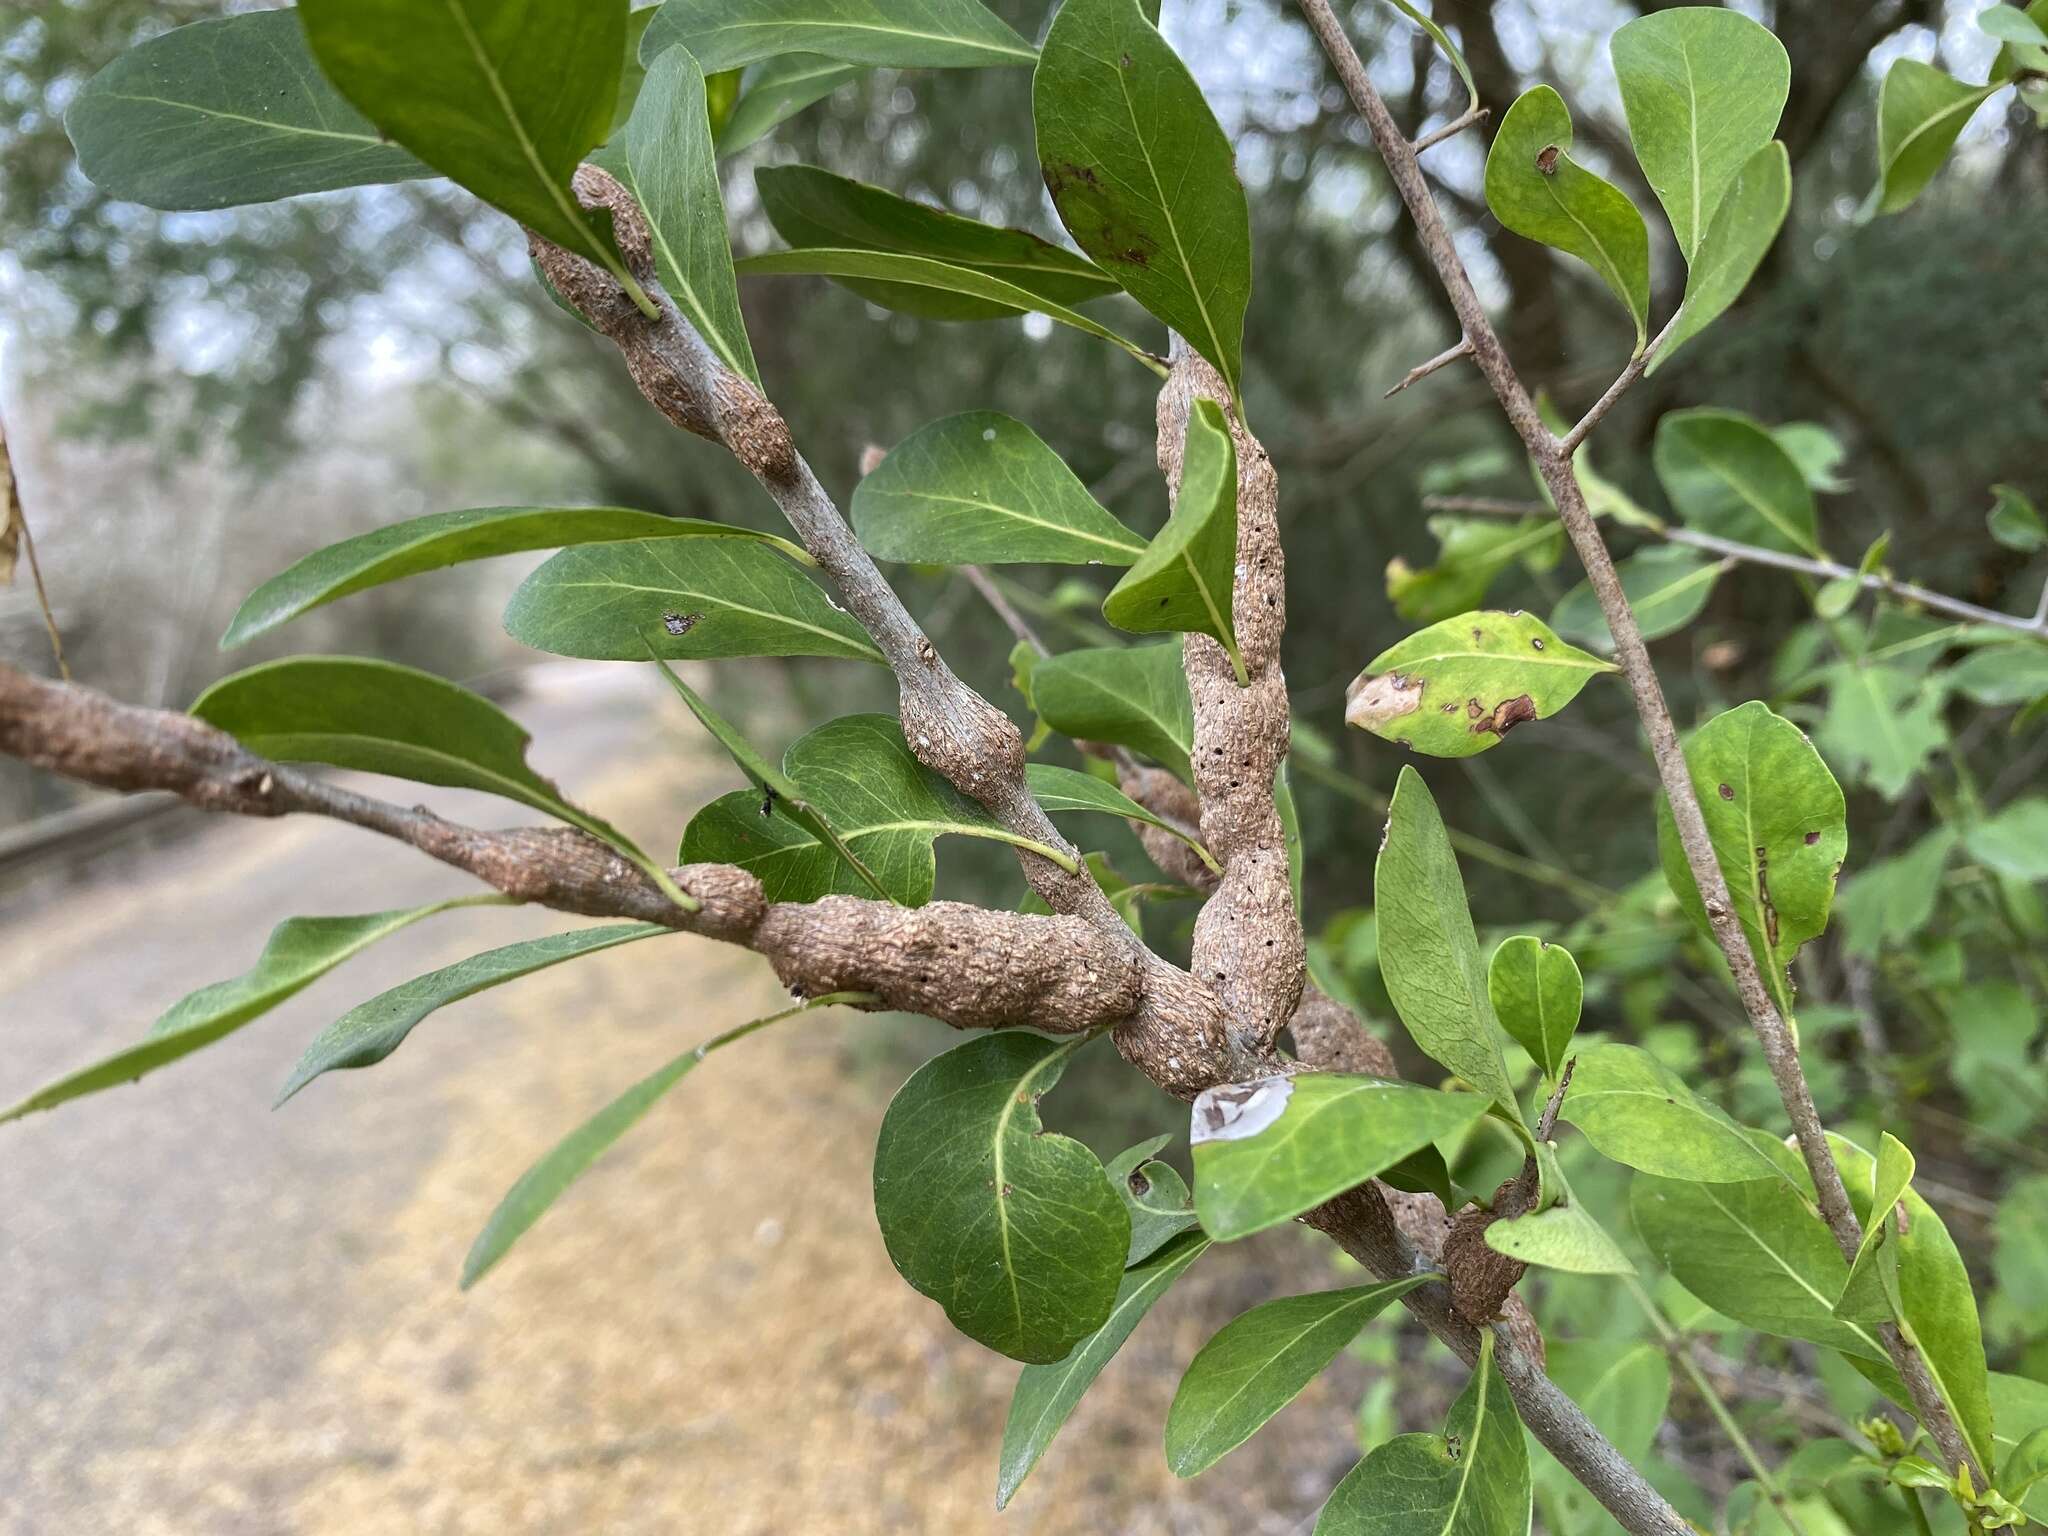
(1727, 476)
(2010, 24)
(1013, 1230)
(1892, 900)
(1459, 686)
(1443, 41)
(1134, 697)
(1740, 235)
(1046, 1394)
(1260, 1362)
(1536, 992)
(1065, 789)
(2014, 520)
(810, 207)
(1472, 1480)
(1155, 1195)
(903, 34)
(1703, 89)
(1564, 1237)
(899, 270)
(1184, 581)
(983, 489)
(700, 601)
(1882, 723)
(1472, 552)
(1142, 174)
(776, 89)
(443, 539)
(1780, 830)
(1429, 954)
(1837, 597)
(300, 951)
(1268, 1150)
(1891, 1172)
(1624, 1386)
(2015, 841)
(887, 807)
(221, 113)
(2020, 1407)
(1537, 190)
(370, 1031)
(666, 160)
(1637, 1111)
(2002, 675)
(537, 1189)
(1667, 585)
(1920, 114)
(1819, 453)
(505, 97)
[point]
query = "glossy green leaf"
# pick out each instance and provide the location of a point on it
(1741, 234)
(1459, 686)
(1142, 174)
(299, 952)
(1134, 697)
(899, 270)
(903, 34)
(1536, 189)
(1637, 1111)
(225, 112)
(1780, 830)
(775, 90)
(1920, 114)
(666, 160)
(1882, 722)
(1066, 789)
(539, 1187)
(442, 539)
(1184, 581)
(810, 207)
(1891, 1171)
(505, 97)
(1703, 89)
(2015, 841)
(1471, 1480)
(1047, 1394)
(1268, 1150)
(1157, 1197)
(1429, 954)
(370, 1031)
(695, 601)
(983, 489)
(887, 808)
(1667, 585)
(1536, 992)
(2014, 520)
(1260, 1362)
(1727, 476)
(1014, 1231)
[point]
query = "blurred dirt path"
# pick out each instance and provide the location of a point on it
(215, 1319)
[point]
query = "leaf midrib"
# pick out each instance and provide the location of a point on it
(368, 140)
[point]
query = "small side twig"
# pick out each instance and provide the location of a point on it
(1569, 443)
(1422, 371)
(1457, 125)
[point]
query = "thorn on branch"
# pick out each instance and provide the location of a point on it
(1422, 371)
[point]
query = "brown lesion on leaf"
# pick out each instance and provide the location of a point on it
(1505, 716)
(1546, 160)
(1085, 208)
(1376, 699)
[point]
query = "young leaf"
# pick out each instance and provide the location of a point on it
(505, 97)
(2002, 675)
(1046, 1394)
(1015, 1231)
(442, 539)
(1740, 235)
(902, 34)
(1891, 1171)
(1819, 453)
(1142, 174)
(1920, 114)
(1780, 831)
(1472, 551)
(1637, 1111)
(776, 89)
(1537, 190)
(370, 1031)
(221, 113)
(1183, 582)
(700, 601)
(1666, 584)
(1443, 41)
(886, 807)
(1703, 89)
(1563, 1237)
(810, 207)
(1268, 1150)
(1727, 476)
(1536, 992)
(1262, 1361)
(1429, 954)
(300, 951)
(1136, 697)
(538, 1188)
(1882, 723)
(2015, 841)
(899, 270)
(1471, 1480)
(2014, 520)
(983, 489)
(1065, 789)
(1459, 686)
(665, 159)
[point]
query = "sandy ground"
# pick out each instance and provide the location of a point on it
(214, 1318)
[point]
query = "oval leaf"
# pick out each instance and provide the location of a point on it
(1667, 585)
(1065, 789)
(1536, 992)
(1564, 1237)
(1741, 234)
(1727, 476)
(1637, 1111)
(1136, 697)
(1921, 112)
(904, 34)
(776, 90)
